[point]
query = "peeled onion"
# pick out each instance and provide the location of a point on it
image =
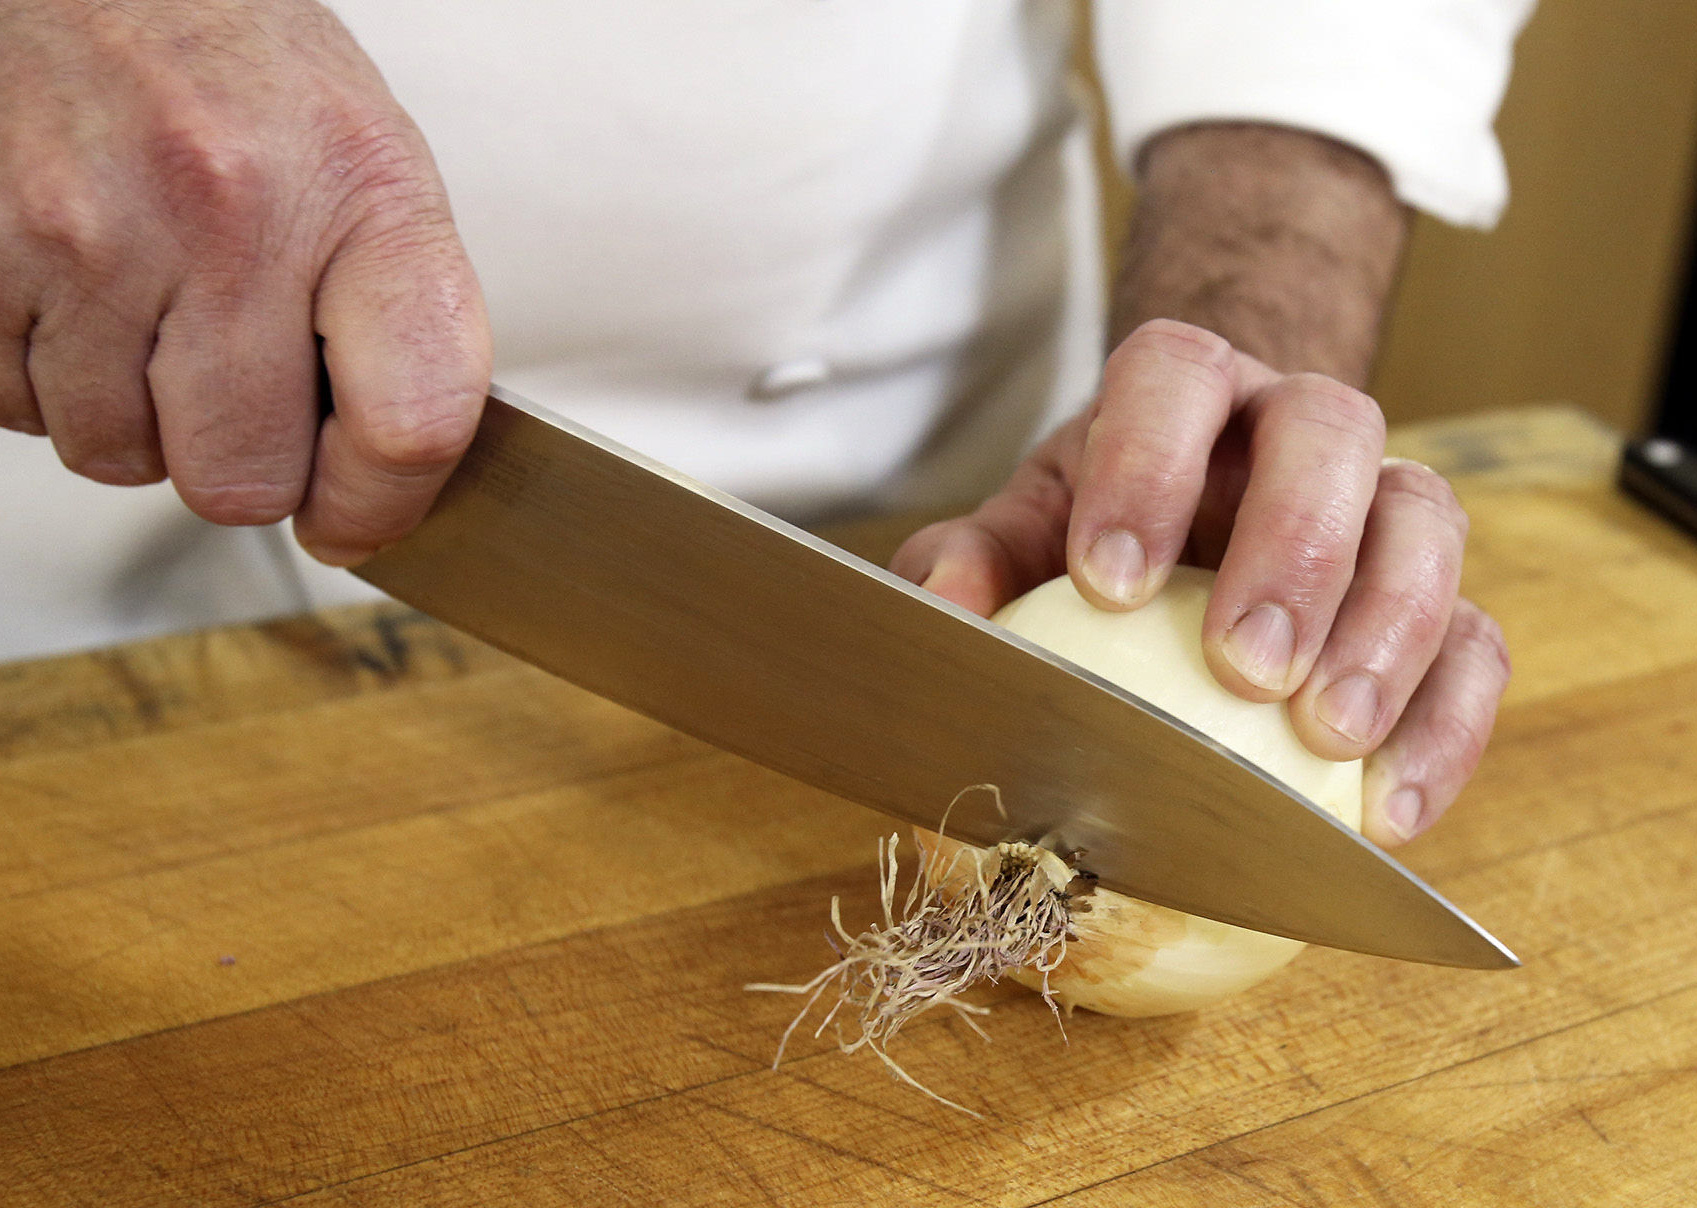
(1125, 956)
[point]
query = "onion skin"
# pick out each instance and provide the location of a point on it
(1131, 957)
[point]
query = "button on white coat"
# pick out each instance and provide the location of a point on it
(786, 377)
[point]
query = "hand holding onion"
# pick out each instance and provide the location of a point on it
(1338, 570)
(1332, 634)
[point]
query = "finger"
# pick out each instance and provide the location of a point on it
(82, 292)
(1415, 776)
(18, 409)
(87, 373)
(407, 347)
(1011, 543)
(1315, 446)
(234, 382)
(1393, 617)
(961, 562)
(1167, 392)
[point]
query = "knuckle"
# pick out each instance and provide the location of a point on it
(1139, 463)
(1460, 738)
(1204, 351)
(214, 179)
(1161, 484)
(1423, 486)
(1314, 539)
(1424, 617)
(1185, 339)
(420, 435)
(1323, 402)
(1313, 570)
(59, 211)
(1481, 633)
(1415, 616)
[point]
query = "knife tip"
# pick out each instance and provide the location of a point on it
(1486, 951)
(1506, 959)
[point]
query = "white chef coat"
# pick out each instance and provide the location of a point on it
(826, 254)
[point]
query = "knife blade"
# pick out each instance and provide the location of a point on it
(683, 603)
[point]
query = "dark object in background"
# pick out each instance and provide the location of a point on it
(1663, 473)
(1661, 469)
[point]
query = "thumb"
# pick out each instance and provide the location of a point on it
(408, 350)
(961, 562)
(1014, 541)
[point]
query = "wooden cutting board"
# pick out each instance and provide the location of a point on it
(350, 909)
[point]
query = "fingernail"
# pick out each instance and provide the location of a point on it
(1261, 646)
(1401, 812)
(1116, 567)
(1350, 706)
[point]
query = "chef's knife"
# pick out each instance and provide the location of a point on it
(676, 600)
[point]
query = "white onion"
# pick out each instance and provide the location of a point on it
(1128, 957)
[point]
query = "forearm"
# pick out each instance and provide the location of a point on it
(1284, 242)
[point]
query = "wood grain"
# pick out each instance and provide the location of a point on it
(489, 936)
(61, 704)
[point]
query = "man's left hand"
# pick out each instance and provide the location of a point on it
(1338, 570)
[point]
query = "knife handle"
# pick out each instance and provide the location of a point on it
(1662, 473)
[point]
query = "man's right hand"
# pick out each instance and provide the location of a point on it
(189, 193)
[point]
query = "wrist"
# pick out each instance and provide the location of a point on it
(1284, 242)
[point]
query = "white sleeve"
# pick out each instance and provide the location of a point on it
(1414, 83)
